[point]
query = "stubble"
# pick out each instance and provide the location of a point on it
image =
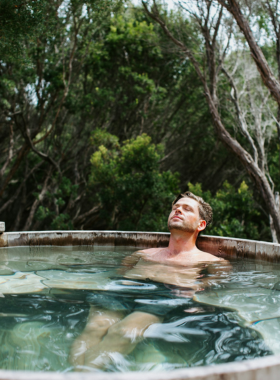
(187, 227)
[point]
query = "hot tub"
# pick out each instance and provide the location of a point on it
(267, 368)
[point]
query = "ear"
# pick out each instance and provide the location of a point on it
(201, 226)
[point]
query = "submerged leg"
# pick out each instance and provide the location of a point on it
(99, 321)
(121, 337)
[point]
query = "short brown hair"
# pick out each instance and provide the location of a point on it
(205, 210)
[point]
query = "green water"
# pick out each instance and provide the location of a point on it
(46, 294)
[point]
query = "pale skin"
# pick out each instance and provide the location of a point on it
(108, 332)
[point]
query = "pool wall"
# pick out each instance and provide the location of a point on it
(218, 246)
(267, 368)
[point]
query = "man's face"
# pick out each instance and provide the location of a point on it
(185, 216)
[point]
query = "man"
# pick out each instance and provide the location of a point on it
(178, 266)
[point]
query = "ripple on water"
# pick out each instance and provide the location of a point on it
(46, 294)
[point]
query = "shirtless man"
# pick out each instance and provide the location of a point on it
(113, 331)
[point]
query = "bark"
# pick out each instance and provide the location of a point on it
(10, 153)
(267, 75)
(21, 209)
(24, 150)
(37, 201)
(273, 232)
(273, 16)
(81, 218)
(241, 120)
(44, 156)
(248, 162)
(16, 194)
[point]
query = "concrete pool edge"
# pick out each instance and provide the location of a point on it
(267, 368)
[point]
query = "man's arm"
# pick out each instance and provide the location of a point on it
(216, 270)
(129, 262)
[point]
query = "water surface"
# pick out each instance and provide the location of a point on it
(46, 294)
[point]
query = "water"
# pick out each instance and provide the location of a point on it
(47, 293)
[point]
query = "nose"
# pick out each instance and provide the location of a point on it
(178, 211)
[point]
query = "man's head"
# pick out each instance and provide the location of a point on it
(190, 213)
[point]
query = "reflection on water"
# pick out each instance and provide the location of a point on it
(46, 294)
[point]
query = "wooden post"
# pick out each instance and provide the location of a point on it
(2, 227)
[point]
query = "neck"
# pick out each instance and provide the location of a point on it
(181, 241)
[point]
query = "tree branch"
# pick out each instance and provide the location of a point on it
(37, 201)
(246, 159)
(10, 154)
(81, 218)
(45, 157)
(14, 197)
(266, 73)
(241, 120)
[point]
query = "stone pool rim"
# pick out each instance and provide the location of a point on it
(267, 368)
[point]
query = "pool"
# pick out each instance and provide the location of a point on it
(59, 317)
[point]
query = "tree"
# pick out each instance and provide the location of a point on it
(129, 185)
(210, 18)
(235, 213)
(92, 70)
(265, 71)
(254, 110)
(102, 66)
(18, 21)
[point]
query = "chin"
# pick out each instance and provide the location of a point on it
(175, 226)
(179, 227)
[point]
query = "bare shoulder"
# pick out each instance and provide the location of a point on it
(132, 259)
(149, 252)
(205, 256)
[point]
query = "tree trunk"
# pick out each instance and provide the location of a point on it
(37, 202)
(233, 145)
(272, 229)
(267, 75)
(24, 150)
(251, 167)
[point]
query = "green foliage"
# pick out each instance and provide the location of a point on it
(19, 20)
(58, 219)
(22, 23)
(126, 79)
(59, 222)
(134, 194)
(62, 222)
(101, 137)
(235, 213)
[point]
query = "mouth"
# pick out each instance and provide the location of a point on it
(177, 217)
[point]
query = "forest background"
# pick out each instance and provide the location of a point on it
(104, 119)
